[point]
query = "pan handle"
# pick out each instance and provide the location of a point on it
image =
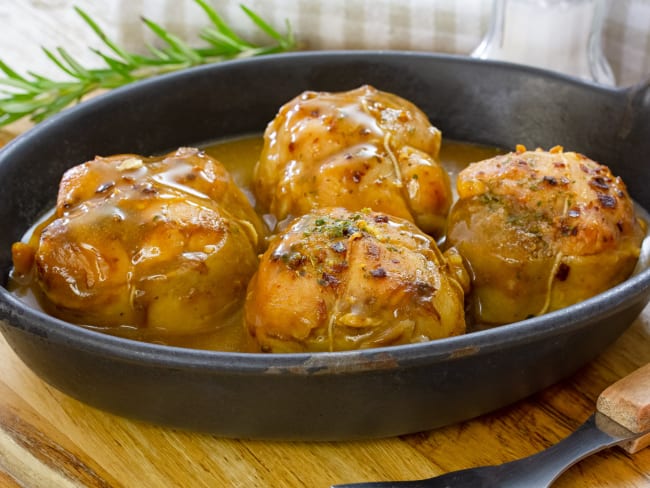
(637, 108)
(627, 402)
(639, 94)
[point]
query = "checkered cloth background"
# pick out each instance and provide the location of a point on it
(447, 26)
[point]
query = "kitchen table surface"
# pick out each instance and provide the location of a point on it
(49, 439)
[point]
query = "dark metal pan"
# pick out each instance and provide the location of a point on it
(370, 393)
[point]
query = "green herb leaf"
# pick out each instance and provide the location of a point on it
(263, 25)
(105, 39)
(38, 97)
(221, 26)
(9, 72)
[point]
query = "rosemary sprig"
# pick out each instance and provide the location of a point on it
(38, 97)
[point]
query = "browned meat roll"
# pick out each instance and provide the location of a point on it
(339, 280)
(542, 230)
(165, 245)
(358, 149)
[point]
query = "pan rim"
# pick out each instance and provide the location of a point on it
(345, 362)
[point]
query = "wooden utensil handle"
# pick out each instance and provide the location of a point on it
(628, 402)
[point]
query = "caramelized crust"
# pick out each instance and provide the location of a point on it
(358, 149)
(541, 231)
(148, 243)
(339, 280)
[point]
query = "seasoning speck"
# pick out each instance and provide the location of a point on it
(378, 273)
(338, 247)
(130, 164)
(104, 187)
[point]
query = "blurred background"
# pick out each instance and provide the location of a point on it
(446, 26)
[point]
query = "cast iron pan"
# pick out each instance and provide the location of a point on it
(370, 393)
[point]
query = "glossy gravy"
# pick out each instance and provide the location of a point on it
(239, 157)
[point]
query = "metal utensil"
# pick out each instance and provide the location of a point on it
(623, 418)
